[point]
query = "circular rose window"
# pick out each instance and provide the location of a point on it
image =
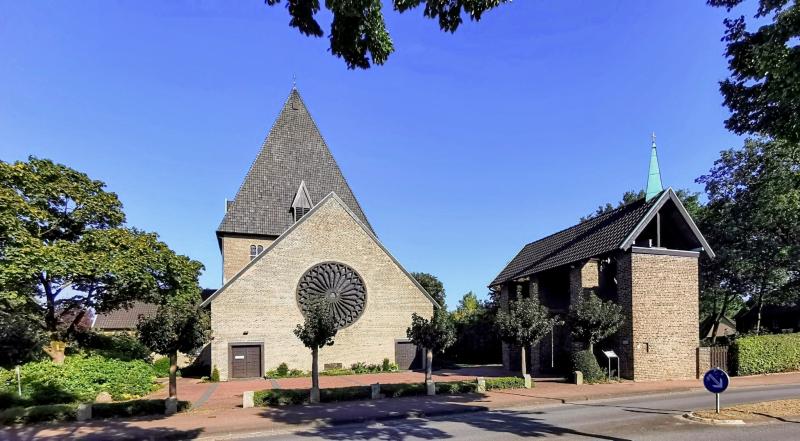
(339, 286)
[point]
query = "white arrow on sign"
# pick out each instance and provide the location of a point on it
(716, 382)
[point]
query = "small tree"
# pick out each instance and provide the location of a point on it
(318, 331)
(177, 326)
(591, 319)
(434, 335)
(524, 324)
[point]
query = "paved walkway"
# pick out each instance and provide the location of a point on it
(228, 395)
(211, 422)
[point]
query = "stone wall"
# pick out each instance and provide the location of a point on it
(236, 253)
(660, 295)
(260, 305)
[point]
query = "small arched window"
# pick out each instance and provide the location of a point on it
(260, 249)
(253, 252)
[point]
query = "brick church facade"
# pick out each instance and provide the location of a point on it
(643, 256)
(294, 234)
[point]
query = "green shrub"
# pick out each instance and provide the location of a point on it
(352, 393)
(121, 346)
(586, 362)
(457, 387)
(214, 378)
(505, 383)
(81, 378)
(403, 390)
(336, 372)
(36, 414)
(282, 370)
(12, 399)
(764, 354)
(133, 408)
(281, 397)
(161, 367)
(359, 368)
(386, 365)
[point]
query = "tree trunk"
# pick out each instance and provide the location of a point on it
(428, 364)
(758, 320)
(524, 364)
(315, 375)
(718, 318)
(173, 374)
(591, 348)
(50, 321)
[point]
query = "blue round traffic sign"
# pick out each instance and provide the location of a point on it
(716, 380)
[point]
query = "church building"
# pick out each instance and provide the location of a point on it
(644, 257)
(295, 233)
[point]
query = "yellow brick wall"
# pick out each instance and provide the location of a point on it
(262, 301)
(236, 253)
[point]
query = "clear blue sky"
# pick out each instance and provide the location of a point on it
(461, 149)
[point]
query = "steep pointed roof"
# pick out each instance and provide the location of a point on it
(293, 152)
(654, 186)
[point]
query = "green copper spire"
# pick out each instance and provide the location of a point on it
(654, 176)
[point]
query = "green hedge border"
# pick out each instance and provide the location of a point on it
(68, 412)
(293, 397)
(766, 354)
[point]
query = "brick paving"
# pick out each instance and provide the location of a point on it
(212, 421)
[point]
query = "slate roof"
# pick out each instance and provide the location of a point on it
(124, 319)
(293, 151)
(590, 238)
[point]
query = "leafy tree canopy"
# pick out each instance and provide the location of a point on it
(436, 334)
(64, 247)
(592, 320)
(763, 89)
(526, 322)
(179, 325)
(753, 221)
(433, 286)
(319, 327)
(358, 32)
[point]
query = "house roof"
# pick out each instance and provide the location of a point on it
(335, 198)
(124, 319)
(707, 325)
(616, 229)
(293, 152)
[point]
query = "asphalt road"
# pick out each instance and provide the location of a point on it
(654, 417)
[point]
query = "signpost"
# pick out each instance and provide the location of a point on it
(716, 381)
(609, 355)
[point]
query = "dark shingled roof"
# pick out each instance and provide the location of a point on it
(293, 152)
(590, 238)
(124, 319)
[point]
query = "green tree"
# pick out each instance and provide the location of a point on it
(434, 335)
(468, 307)
(476, 342)
(763, 89)
(21, 339)
(179, 325)
(358, 32)
(432, 285)
(753, 220)
(524, 324)
(592, 320)
(318, 331)
(65, 251)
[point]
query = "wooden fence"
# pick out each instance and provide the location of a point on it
(712, 356)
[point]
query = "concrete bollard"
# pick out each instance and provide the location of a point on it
(84, 412)
(247, 399)
(528, 382)
(431, 386)
(376, 391)
(170, 406)
(481, 384)
(578, 375)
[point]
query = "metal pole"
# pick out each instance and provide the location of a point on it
(19, 384)
(717, 397)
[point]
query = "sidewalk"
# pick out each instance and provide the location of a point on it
(215, 423)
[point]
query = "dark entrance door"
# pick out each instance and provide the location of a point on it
(246, 361)
(407, 356)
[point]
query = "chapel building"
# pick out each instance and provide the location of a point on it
(295, 233)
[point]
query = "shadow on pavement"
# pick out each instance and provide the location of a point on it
(459, 409)
(97, 430)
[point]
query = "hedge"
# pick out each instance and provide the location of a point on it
(68, 412)
(80, 378)
(765, 354)
(586, 362)
(287, 397)
(505, 383)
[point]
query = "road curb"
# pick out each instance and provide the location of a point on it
(692, 417)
